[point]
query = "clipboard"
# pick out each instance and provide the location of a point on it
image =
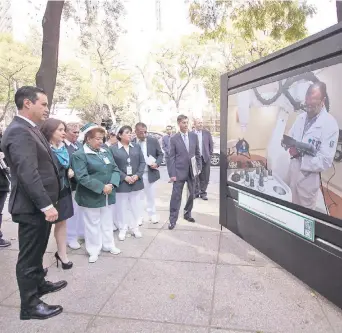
(194, 166)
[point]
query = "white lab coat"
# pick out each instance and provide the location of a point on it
(304, 173)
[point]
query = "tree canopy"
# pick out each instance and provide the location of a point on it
(280, 20)
(17, 68)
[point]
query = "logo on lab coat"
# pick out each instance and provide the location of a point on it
(316, 143)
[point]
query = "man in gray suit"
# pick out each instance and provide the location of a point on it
(183, 147)
(206, 149)
(153, 156)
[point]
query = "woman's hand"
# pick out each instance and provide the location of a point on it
(129, 180)
(71, 173)
(108, 189)
(135, 178)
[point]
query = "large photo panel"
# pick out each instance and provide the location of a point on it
(284, 140)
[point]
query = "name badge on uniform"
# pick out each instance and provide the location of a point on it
(106, 160)
(129, 170)
(129, 167)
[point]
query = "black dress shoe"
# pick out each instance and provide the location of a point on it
(50, 287)
(171, 226)
(204, 197)
(45, 271)
(4, 243)
(189, 219)
(41, 311)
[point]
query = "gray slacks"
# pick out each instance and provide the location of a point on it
(176, 198)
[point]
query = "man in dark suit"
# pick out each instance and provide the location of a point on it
(206, 149)
(166, 145)
(184, 148)
(153, 158)
(35, 191)
(75, 225)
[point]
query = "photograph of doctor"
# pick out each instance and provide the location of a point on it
(319, 129)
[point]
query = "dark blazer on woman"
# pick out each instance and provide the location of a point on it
(137, 163)
(64, 206)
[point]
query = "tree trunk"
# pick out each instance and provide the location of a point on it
(47, 73)
(339, 10)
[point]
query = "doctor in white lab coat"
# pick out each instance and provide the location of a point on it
(320, 129)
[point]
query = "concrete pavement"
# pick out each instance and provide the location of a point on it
(194, 279)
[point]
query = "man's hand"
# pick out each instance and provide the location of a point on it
(173, 179)
(108, 189)
(2, 155)
(293, 151)
(154, 166)
(129, 180)
(51, 215)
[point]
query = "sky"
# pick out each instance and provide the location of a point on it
(325, 17)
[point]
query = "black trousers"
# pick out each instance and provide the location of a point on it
(176, 198)
(3, 196)
(202, 180)
(33, 240)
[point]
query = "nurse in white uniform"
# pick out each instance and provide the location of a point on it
(319, 129)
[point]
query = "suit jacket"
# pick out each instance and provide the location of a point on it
(71, 149)
(137, 163)
(180, 158)
(34, 171)
(153, 149)
(207, 145)
(4, 183)
(166, 144)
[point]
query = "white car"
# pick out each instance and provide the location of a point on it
(215, 157)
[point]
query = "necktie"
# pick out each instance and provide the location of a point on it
(186, 141)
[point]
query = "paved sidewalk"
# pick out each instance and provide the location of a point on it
(194, 279)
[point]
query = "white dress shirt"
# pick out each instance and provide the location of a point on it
(200, 140)
(143, 145)
(120, 145)
(68, 143)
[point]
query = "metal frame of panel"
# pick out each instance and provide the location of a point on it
(318, 263)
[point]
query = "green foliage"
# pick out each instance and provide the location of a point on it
(70, 76)
(17, 68)
(280, 20)
(98, 20)
(177, 66)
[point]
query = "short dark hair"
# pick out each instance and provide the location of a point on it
(123, 129)
(27, 92)
(140, 124)
(323, 90)
(49, 127)
(181, 117)
(321, 86)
